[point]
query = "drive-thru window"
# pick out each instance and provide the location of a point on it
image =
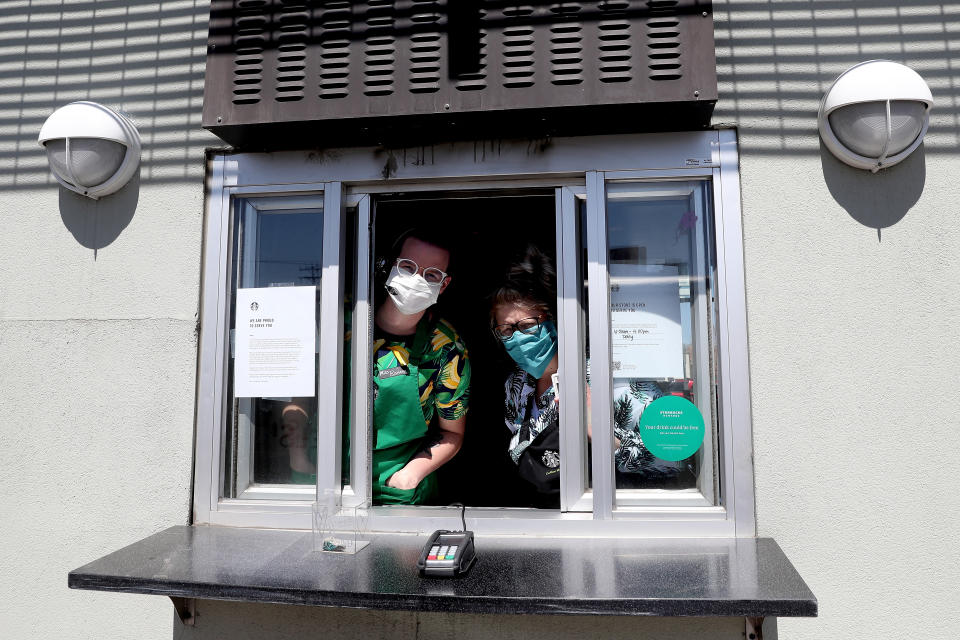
(650, 221)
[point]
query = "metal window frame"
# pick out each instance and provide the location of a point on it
(263, 206)
(283, 505)
(574, 493)
(706, 493)
(352, 175)
(361, 435)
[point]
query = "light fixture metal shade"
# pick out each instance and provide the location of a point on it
(875, 114)
(92, 150)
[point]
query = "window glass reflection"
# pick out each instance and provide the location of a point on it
(272, 440)
(661, 267)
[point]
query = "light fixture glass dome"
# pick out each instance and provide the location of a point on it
(90, 161)
(907, 119)
(862, 127)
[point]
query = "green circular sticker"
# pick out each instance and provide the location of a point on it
(672, 428)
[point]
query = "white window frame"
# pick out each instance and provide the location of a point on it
(578, 169)
(705, 494)
(250, 490)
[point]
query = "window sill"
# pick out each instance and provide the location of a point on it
(749, 577)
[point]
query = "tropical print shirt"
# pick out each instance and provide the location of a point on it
(444, 370)
(526, 414)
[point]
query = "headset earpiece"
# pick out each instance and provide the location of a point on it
(382, 264)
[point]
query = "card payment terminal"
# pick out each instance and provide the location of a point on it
(447, 553)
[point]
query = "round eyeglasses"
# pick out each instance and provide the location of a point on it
(411, 268)
(504, 332)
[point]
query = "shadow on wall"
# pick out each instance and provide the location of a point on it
(144, 57)
(97, 223)
(876, 200)
(775, 60)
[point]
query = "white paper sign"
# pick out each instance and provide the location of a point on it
(647, 341)
(275, 342)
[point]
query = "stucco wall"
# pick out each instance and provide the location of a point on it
(853, 331)
(97, 310)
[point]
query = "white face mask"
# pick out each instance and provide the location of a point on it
(411, 293)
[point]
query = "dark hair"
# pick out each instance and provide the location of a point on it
(531, 280)
(434, 235)
(430, 235)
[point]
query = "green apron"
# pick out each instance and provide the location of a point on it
(399, 426)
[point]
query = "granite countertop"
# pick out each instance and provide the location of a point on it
(659, 577)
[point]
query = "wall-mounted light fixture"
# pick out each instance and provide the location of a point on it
(875, 114)
(92, 150)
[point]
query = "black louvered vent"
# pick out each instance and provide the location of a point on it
(663, 40)
(333, 54)
(566, 44)
(345, 67)
(249, 41)
(294, 19)
(615, 49)
(519, 46)
(475, 79)
(425, 47)
(380, 50)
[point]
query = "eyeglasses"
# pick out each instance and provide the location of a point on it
(529, 326)
(411, 268)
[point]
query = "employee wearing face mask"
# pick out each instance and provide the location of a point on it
(522, 321)
(420, 370)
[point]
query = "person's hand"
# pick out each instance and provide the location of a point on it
(403, 479)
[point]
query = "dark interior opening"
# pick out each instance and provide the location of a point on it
(487, 231)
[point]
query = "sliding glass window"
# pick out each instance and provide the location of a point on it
(270, 439)
(645, 420)
(661, 263)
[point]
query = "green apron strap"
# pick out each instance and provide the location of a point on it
(399, 425)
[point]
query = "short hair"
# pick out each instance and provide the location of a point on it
(530, 281)
(433, 234)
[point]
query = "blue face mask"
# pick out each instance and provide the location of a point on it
(535, 351)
